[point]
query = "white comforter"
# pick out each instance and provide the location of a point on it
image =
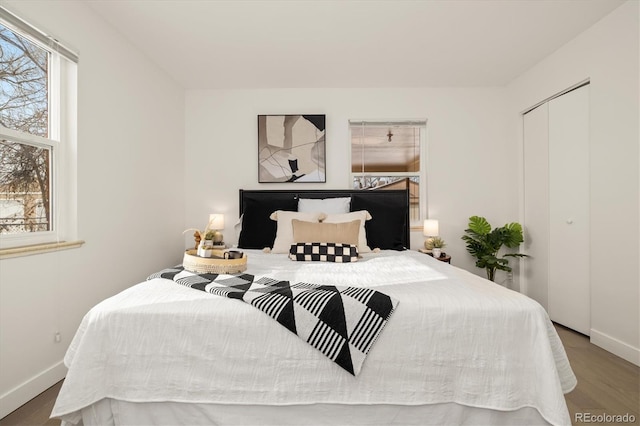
(455, 337)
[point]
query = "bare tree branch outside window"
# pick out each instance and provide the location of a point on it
(24, 169)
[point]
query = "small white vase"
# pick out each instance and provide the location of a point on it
(436, 252)
(202, 252)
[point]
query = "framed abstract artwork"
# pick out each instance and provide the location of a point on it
(291, 148)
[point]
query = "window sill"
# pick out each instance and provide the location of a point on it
(39, 249)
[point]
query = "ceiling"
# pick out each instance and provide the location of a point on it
(346, 43)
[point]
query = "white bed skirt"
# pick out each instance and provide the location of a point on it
(115, 412)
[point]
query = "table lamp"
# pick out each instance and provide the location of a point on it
(430, 229)
(216, 223)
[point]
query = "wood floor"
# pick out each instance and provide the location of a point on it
(35, 412)
(607, 385)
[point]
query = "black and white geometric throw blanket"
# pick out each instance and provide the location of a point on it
(341, 322)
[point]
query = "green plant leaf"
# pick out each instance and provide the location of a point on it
(513, 235)
(475, 248)
(504, 268)
(434, 242)
(479, 225)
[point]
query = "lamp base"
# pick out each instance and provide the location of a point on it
(428, 243)
(217, 238)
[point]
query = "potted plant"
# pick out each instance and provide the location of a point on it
(208, 238)
(204, 250)
(203, 239)
(484, 244)
(435, 244)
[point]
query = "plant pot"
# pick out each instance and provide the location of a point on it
(203, 252)
(436, 252)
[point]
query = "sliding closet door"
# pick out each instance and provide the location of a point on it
(569, 286)
(536, 203)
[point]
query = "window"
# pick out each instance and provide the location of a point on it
(390, 155)
(37, 132)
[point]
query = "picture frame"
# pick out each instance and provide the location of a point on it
(291, 148)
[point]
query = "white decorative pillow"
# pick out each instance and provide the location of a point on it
(237, 227)
(361, 215)
(326, 205)
(284, 233)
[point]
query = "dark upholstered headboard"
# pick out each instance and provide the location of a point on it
(388, 228)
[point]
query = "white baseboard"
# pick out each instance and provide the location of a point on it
(616, 347)
(28, 390)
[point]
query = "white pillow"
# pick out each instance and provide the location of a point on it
(326, 205)
(284, 233)
(363, 216)
(238, 227)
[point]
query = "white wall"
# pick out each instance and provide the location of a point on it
(130, 200)
(607, 54)
(470, 153)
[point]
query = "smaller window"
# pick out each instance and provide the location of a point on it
(390, 155)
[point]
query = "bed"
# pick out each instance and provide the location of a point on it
(457, 349)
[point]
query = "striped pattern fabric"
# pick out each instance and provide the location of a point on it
(341, 322)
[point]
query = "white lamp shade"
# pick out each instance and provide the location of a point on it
(430, 228)
(216, 221)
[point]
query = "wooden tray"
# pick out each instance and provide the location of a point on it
(208, 265)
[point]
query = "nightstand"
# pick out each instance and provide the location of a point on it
(443, 258)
